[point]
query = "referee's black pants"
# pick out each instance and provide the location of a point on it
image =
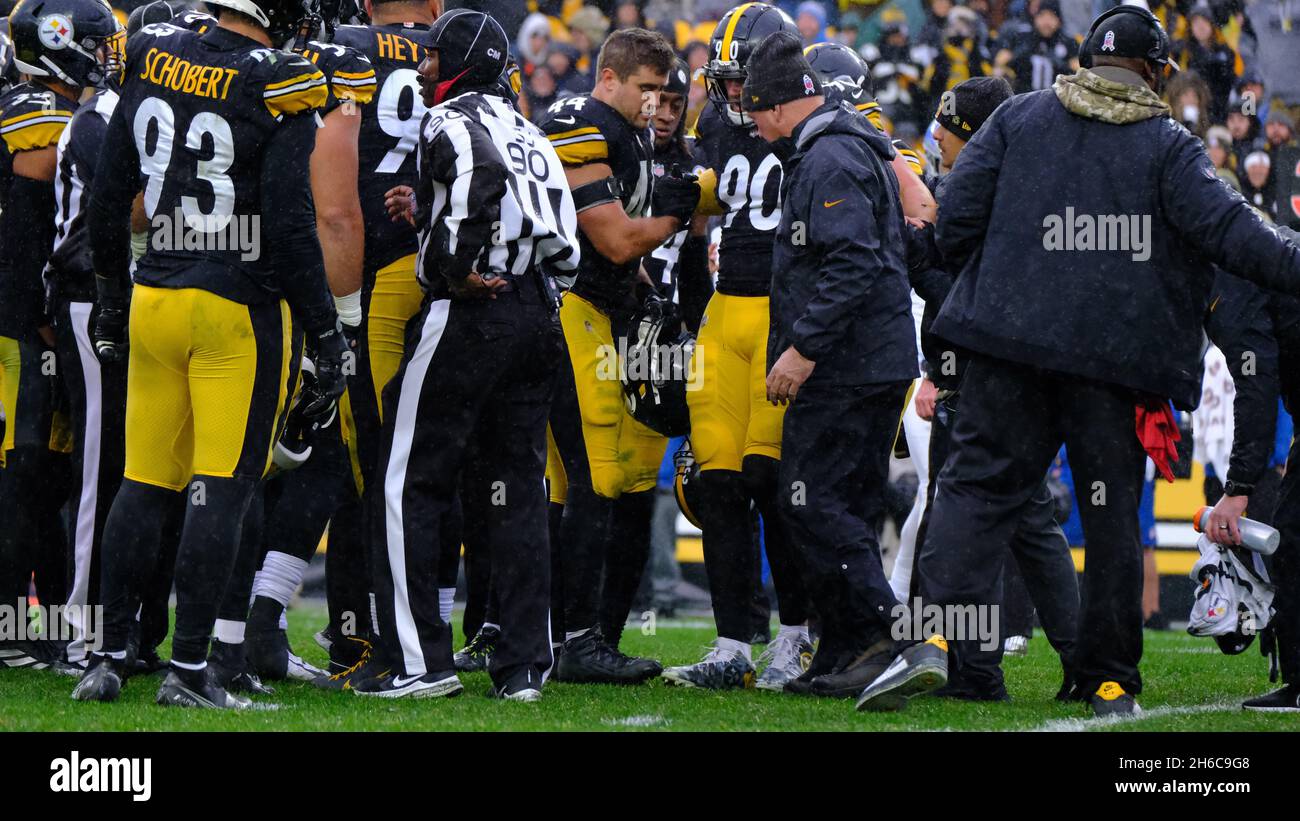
(1013, 421)
(97, 395)
(835, 450)
(477, 377)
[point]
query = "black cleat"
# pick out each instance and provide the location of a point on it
(102, 681)
(443, 684)
(1110, 699)
(271, 658)
(28, 654)
(196, 688)
(587, 659)
(474, 657)
(918, 669)
(525, 685)
(228, 669)
(367, 666)
(1286, 700)
(863, 669)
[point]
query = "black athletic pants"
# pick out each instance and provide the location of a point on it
(1284, 565)
(1039, 558)
(835, 451)
(480, 373)
(1012, 422)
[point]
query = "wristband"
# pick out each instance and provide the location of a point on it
(349, 308)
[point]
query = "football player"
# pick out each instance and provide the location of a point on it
(211, 356)
(735, 431)
(610, 460)
(63, 46)
(387, 297)
(286, 521)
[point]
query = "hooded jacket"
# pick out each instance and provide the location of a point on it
(839, 274)
(1096, 258)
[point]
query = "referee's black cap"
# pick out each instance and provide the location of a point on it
(472, 51)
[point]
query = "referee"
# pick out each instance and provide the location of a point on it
(495, 218)
(1081, 336)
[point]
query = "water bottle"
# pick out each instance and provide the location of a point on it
(1255, 536)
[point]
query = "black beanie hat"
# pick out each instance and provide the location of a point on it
(964, 109)
(778, 73)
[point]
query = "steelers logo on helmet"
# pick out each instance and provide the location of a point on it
(55, 32)
(735, 37)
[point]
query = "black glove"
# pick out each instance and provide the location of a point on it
(110, 333)
(676, 195)
(332, 353)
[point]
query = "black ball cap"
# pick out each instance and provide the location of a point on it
(472, 51)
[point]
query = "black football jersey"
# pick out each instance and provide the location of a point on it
(662, 263)
(201, 109)
(31, 118)
(584, 130)
(390, 131)
(748, 195)
(349, 74)
(70, 271)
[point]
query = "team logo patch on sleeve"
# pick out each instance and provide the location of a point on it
(55, 31)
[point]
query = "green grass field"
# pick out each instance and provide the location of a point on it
(1189, 686)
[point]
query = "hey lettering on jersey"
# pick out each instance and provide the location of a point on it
(397, 47)
(178, 74)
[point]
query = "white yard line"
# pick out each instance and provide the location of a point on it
(1079, 725)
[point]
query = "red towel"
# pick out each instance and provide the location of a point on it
(1157, 431)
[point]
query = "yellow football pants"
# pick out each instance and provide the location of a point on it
(206, 385)
(730, 415)
(623, 455)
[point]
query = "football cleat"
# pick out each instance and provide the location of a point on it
(271, 658)
(1286, 700)
(30, 655)
(474, 657)
(787, 658)
(587, 659)
(430, 685)
(196, 688)
(857, 673)
(1016, 646)
(367, 666)
(102, 681)
(525, 685)
(228, 669)
(718, 670)
(1110, 699)
(918, 669)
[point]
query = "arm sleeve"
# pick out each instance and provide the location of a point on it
(848, 244)
(1244, 333)
(1217, 222)
(290, 219)
(968, 194)
(694, 286)
(31, 230)
(462, 159)
(108, 216)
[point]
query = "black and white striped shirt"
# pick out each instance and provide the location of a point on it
(78, 152)
(493, 197)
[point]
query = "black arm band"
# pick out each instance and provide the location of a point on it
(591, 194)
